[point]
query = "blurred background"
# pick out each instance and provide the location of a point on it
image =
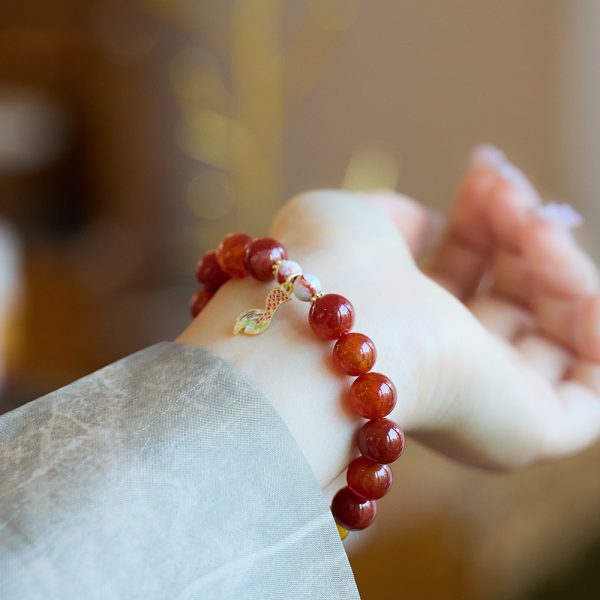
(135, 134)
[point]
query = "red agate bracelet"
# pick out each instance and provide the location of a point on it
(331, 317)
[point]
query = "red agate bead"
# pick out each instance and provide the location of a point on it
(369, 479)
(381, 441)
(351, 511)
(231, 254)
(354, 353)
(330, 316)
(373, 395)
(209, 273)
(198, 301)
(261, 255)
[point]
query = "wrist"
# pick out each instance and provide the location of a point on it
(295, 371)
(320, 428)
(287, 365)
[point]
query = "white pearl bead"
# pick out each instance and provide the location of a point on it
(286, 269)
(306, 286)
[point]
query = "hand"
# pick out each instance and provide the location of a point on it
(462, 389)
(516, 265)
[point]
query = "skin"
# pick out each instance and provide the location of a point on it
(494, 345)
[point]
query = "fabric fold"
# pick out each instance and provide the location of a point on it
(164, 475)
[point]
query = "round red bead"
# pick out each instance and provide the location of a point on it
(354, 353)
(261, 255)
(373, 395)
(369, 479)
(198, 301)
(330, 316)
(381, 441)
(351, 511)
(231, 254)
(209, 273)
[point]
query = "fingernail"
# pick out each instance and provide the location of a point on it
(560, 214)
(486, 155)
(514, 175)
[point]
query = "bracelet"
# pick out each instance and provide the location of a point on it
(331, 317)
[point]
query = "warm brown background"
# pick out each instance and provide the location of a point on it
(133, 135)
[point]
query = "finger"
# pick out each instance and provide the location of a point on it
(574, 423)
(511, 277)
(461, 258)
(565, 285)
(574, 323)
(510, 202)
(418, 225)
(559, 266)
(588, 374)
(580, 397)
(553, 276)
(551, 263)
(550, 360)
(468, 223)
(559, 319)
(587, 329)
(501, 318)
(491, 209)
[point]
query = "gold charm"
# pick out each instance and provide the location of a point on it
(256, 320)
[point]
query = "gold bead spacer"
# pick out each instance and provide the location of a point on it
(276, 265)
(316, 297)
